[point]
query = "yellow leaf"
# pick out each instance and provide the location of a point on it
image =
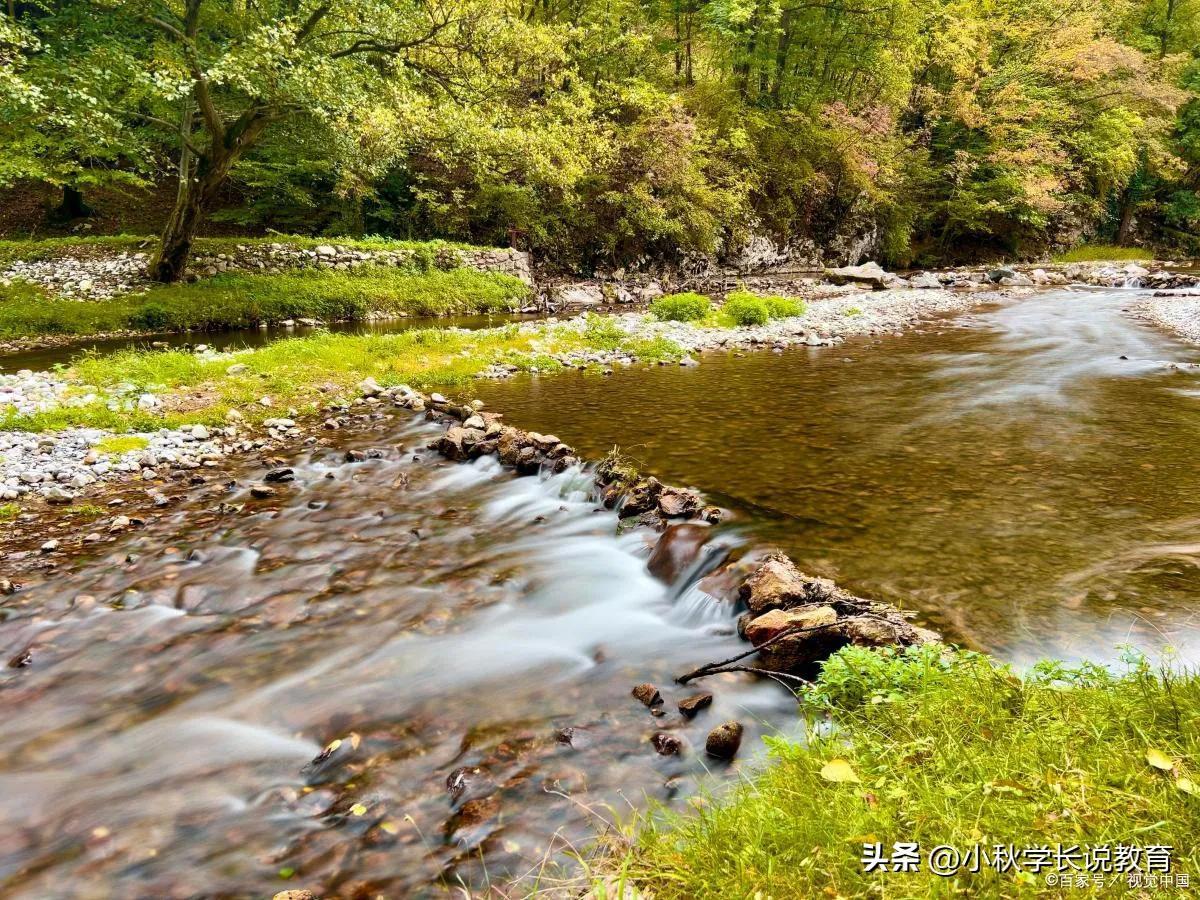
(1159, 760)
(357, 809)
(1187, 786)
(839, 770)
(389, 826)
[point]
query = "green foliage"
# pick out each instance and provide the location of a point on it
(742, 308)
(943, 748)
(600, 134)
(237, 300)
(9, 511)
(747, 303)
(687, 307)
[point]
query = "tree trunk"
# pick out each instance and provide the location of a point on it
(72, 206)
(1126, 225)
(176, 246)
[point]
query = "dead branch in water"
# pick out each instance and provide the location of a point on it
(726, 665)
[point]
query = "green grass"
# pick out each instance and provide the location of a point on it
(1104, 253)
(241, 300)
(307, 372)
(687, 307)
(945, 749)
(51, 248)
(9, 511)
(86, 511)
(117, 444)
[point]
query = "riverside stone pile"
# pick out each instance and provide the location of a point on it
(83, 277)
(58, 467)
(103, 276)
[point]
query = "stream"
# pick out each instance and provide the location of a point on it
(1023, 477)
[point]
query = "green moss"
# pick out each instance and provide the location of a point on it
(687, 307)
(948, 748)
(123, 443)
(9, 511)
(853, 311)
(86, 511)
(240, 300)
(1103, 253)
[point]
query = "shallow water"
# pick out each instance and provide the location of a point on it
(46, 358)
(431, 616)
(1026, 477)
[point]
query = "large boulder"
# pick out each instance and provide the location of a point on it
(870, 274)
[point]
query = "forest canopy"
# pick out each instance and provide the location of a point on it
(605, 133)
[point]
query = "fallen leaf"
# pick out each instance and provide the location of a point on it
(1159, 760)
(358, 810)
(838, 770)
(1187, 786)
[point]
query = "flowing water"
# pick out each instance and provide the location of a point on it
(444, 622)
(1025, 477)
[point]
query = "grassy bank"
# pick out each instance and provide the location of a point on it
(51, 248)
(945, 751)
(239, 300)
(1104, 253)
(309, 372)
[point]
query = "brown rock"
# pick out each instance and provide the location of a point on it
(677, 503)
(676, 550)
(724, 740)
(691, 706)
(641, 498)
(778, 584)
(667, 744)
(466, 825)
(762, 628)
(295, 895)
(648, 694)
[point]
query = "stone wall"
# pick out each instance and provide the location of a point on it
(93, 276)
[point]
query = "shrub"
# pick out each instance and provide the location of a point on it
(687, 307)
(784, 307)
(743, 308)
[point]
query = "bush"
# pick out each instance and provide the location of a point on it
(742, 308)
(687, 307)
(784, 307)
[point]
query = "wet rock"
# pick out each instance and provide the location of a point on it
(295, 895)
(278, 476)
(794, 652)
(354, 456)
(262, 492)
(770, 624)
(693, 705)
(677, 550)
(648, 694)
(467, 825)
(677, 503)
(21, 660)
(724, 740)
(641, 498)
(574, 736)
(667, 744)
(776, 584)
(469, 783)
